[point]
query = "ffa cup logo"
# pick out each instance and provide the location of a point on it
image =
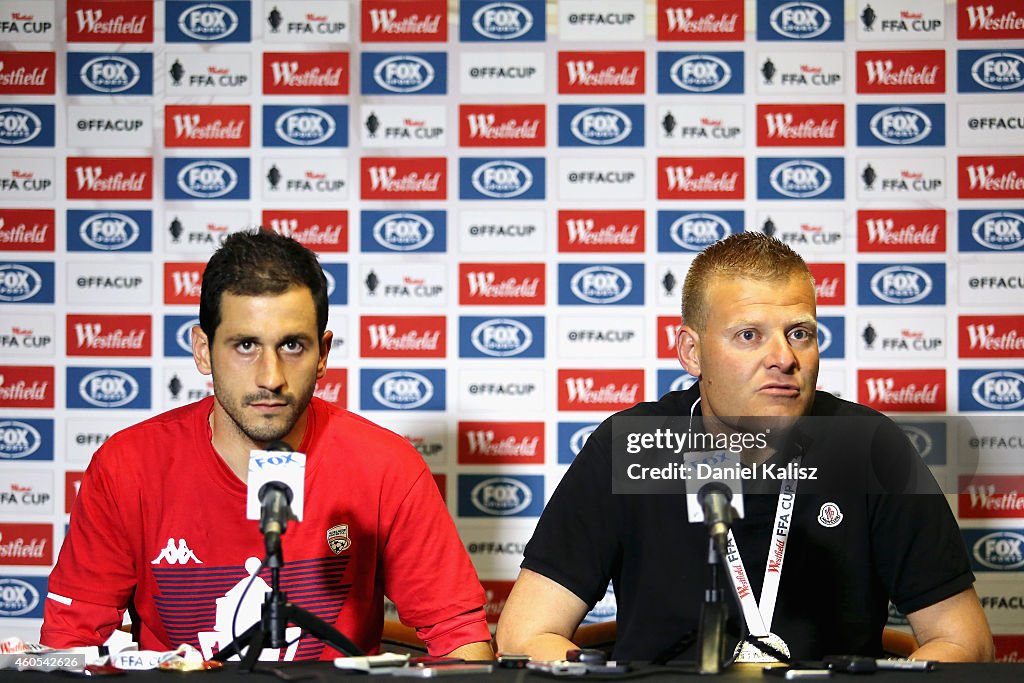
(338, 540)
(830, 515)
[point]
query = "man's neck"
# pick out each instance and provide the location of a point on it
(234, 447)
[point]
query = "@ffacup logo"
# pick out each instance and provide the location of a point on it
(830, 515)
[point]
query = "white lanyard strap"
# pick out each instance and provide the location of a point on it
(758, 615)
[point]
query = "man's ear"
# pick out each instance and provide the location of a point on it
(201, 351)
(688, 349)
(325, 348)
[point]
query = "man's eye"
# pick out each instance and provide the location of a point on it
(292, 346)
(748, 335)
(801, 335)
(246, 347)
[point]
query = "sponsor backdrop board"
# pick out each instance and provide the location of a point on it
(506, 197)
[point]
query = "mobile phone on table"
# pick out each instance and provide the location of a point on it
(434, 671)
(791, 673)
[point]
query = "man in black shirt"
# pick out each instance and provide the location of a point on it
(749, 335)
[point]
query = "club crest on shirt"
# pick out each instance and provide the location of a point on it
(337, 539)
(830, 515)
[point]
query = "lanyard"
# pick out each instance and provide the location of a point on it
(758, 615)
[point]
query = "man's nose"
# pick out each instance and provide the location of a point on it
(271, 374)
(780, 353)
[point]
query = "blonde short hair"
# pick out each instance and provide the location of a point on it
(749, 255)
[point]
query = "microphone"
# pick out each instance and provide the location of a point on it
(276, 478)
(715, 499)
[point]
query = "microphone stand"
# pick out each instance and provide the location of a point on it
(275, 615)
(713, 614)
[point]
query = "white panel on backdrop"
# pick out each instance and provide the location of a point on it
(341, 344)
(318, 179)
(515, 393)
(505, 232)
(404, 126)
(182, 384)
(601, 178)
(26, 492)
(833, 380)
(808, 232)
(110, 282)
(700, 126)
(800, 73)
(990, 125)
(668, 281)
(27, 335)
(22, 22)
(890, 336)
(107, 126)
(497, 549)
(85, 435)
(215, 74)
(995, 444)
(991, 284)
(501, 73)
(199, 233)
(605, 21)
(429, 438)
(903, 21)
(1000, 592)
(600, 337)
(310, 21)
(901, 178)
(407, 284)
(27, 178)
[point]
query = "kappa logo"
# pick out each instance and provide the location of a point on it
(999, 230)
(901, 125)
(305, 126)
(696, 231)
(502, 337)
(800, 20)
(403, 390)
(601, 284)
(830, 515)
(403, 231)
(601, 126)
(208, 21)
(18, 126)
(108, 388)
(404, 74)
(998, 71)
(18, 439)
(501, 496)
(800, 179)
(502, 179)
(207, 179)
(901, 284)
(110, 74)
(176, 554)
(502, 21)
(18, 282)
(1000, 550)
(999, 390)
(17, 597)
(700, 73)
(109, 231)
(337, 539)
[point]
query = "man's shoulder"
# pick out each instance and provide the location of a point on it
(177, 423)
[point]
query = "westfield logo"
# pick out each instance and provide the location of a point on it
(486, 284)
(885, 390)
(683, 178)
(484, 443)
(685, 20)
(583, 73)
(984, 177)
(883, 72)
(585, 390)
(386, 179)
(786, 127)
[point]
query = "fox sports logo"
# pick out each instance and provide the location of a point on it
(109, 231)
(501, 496)
(601, 126)
(403, 231)
(18, 126)
(502, 179)
(999, 230)
(208, 21)
(682, 382)
(402, 390)
(700, 73)
(579, 438)
(17, 597)
(501, 337)
(18, 282)
(108, 388)
(110, 74)
(800, 20)
(919, 439)
(900, 125)
(901, 284)
(183, 335)
(502, 21)
(207, 179)
(404, 73)
(1000, 550)
(18, 439)
(695, 231)
(824, 337)
(1001, 390)
(800, 179)
(999, 71)
(305, 126)
(601, 285)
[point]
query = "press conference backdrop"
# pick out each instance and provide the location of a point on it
(506, 197)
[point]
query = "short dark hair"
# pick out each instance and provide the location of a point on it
(258, 262)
